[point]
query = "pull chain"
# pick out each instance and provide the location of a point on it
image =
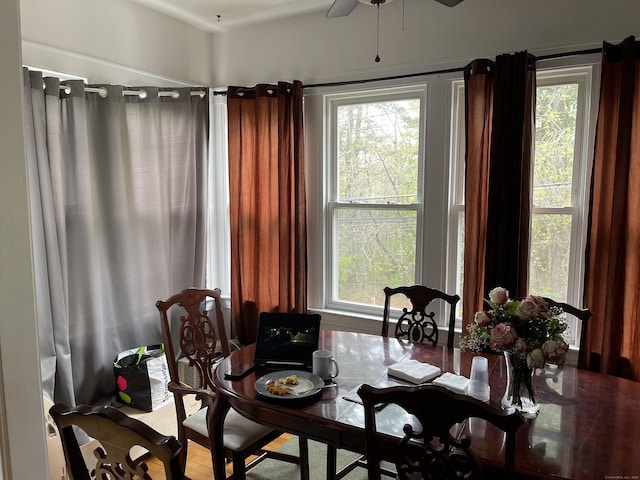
(378, 36)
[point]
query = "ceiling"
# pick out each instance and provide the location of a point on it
(224, 15)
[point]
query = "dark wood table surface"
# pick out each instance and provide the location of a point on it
(588, 426)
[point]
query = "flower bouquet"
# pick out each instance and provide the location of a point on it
(528, 332)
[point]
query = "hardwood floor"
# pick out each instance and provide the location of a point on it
(199, 461)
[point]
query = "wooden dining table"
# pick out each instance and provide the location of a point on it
(588, 426)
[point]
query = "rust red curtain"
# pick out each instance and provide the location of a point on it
(267, 203)
(500, 121)
(612, 345)
(478, 115)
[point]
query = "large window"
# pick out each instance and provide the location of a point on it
(560, 172)
(386, 195)
(375, 193)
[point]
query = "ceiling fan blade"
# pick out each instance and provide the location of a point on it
(449, 3)
(341, 8)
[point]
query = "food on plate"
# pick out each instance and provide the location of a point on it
(290, 380)
(277, 388)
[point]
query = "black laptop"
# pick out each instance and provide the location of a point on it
(287, 340)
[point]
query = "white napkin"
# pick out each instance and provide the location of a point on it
(414, 371)
(353, 396)
(453, 382)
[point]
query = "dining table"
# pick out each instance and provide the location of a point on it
(588, 425)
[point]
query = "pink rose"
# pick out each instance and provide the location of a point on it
(482, 319)
(527, 310)
(535, 359)
(502, 336)
(521, 345)
(555, 351)
(499, 295)
(543, 306)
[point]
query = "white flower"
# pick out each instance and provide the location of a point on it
(535, 359)
(499, 295)
(555, 351)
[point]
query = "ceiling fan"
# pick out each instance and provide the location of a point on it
(342, 8)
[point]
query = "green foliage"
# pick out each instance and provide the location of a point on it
(377, 164)
(556, 110)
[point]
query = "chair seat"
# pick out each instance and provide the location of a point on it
(239, 432)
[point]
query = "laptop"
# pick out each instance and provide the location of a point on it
(287, 340)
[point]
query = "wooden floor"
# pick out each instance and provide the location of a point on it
(199, 461)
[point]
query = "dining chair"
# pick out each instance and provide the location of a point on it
(582, 314)
(116, 434)
(202, 341)
(436, 447)
(416, 323)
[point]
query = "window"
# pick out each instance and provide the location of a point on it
(386, 200)
(377, 195)
(559, 186)
(560, 172)
(374, 212)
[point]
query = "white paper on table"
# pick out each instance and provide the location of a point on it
(453, 382)
(414, 371)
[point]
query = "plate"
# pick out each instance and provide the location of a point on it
(308, 384)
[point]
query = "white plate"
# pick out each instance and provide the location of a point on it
(308, 384)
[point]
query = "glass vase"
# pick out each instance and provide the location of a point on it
(520, 392)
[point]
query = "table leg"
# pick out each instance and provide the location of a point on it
(332, 463)
(304, 458)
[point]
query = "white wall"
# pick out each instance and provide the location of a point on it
(315, 49)
(22, 421)
(115, 41)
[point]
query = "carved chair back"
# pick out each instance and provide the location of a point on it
(430, 449)
(418, 323)
(116, 434)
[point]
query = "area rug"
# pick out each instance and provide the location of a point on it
(277, 470)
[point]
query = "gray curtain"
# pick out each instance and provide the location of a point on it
(118, 198)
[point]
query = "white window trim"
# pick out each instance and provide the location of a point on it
(434, 231)
(332, 103)
(586, 72)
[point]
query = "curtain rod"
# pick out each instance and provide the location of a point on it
(433, 72)
(102, 91)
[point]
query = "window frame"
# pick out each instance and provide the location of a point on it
(584, 72)
(332, 103)
(583, 76)
(431, 262)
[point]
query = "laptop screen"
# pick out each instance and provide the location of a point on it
(287, 339)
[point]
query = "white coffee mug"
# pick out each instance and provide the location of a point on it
(324, 365)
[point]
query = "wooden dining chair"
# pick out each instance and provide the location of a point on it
(116, 435)
(430, 450)
(583, 315)
(417, 323)
(202, 342)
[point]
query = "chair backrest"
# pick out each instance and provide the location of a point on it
(416, 323)
(430, 448)
(582, 314)
(201, 340)
(117, 434)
